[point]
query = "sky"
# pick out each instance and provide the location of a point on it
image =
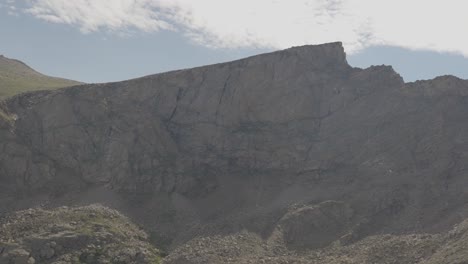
(112, 40)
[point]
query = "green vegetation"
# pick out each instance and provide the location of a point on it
(16, 77)
(5, 116)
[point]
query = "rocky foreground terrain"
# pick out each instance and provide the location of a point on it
(91, 234)
(245, 247)
(288, 157)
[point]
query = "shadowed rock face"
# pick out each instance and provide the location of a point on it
(232, 146)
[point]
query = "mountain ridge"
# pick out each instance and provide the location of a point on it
(294, 49)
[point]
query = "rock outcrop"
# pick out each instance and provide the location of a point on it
(236, 146)
(92, 234)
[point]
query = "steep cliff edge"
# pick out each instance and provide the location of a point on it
(239, 146)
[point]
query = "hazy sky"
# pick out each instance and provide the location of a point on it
(110, 40)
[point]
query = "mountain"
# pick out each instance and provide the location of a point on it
(290, 153)
(16, 77)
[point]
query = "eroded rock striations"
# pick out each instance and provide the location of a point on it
(294, 144)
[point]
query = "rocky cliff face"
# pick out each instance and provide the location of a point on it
(256, 144)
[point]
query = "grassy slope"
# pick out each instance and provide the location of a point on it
(16, 77)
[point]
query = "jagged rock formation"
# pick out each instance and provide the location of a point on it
(17, 77)
(257, 144)
(92, 234)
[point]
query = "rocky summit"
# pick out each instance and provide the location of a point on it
(288, 157)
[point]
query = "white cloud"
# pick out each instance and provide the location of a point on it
(113, 15)
(415, 24)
